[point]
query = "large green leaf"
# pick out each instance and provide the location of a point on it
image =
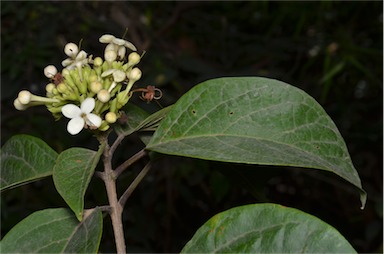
(55, 231)
(25, 159)
(72, 173)
(266, 228)
(256, 121)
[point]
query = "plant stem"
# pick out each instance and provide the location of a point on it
(116, 212)
(130, 161)
(134, 184)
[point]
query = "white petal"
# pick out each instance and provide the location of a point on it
(67, 62)
(130, 46)
(82, 55)
(87, 105)
(106, 38)
(93, 120)
(75, 125)
(107, 73)
(119, 42)
(71, 111)
(121, 52)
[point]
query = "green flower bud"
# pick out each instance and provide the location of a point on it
(49, 88)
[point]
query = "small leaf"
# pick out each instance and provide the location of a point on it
(254, 121)
(153, 121)
(54, 231)
(140, 120)
(25, 159)
(134, 116)
(72, 173)
(266, 228)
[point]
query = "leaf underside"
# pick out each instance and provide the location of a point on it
(266, 228)
(54, 231)
(254, 121)
(25, 159)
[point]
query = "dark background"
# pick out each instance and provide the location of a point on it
(332, 50)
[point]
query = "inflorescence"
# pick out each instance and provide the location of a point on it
(89, 91)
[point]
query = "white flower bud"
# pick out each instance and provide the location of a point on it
(24, 97)
(133, 58)
(95, 86)
(18, 105)
(98, 61)
(50, 71)
(134, 74)
(71, 49)
(111, 117)
(110, 55)
(118, 75)
(110, 46)
(103, 96)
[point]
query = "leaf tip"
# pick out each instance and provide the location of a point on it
(363, 199)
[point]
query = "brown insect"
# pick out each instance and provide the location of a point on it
(57, 78)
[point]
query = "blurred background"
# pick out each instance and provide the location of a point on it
(331, 50)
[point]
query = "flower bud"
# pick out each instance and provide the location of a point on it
(71, 49)
(18, 105)
(110, 55)
(134, 74)
(65, 72)
(50, 71)
(24, 97)
(62, 88)
(118, 76)
(111, 117)
(121, 52)
(103, 96)
(49, 88)
(98, 61)
(133, 58)
(95, 86)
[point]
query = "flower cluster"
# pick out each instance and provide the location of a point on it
(89, 91)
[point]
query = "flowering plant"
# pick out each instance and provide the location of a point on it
(250, 120)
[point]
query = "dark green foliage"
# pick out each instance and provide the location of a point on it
(331, 50)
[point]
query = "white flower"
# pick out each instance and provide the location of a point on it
(81, 117)
(116, 45)
(107, 38)
(118, 76)
(78, 61)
